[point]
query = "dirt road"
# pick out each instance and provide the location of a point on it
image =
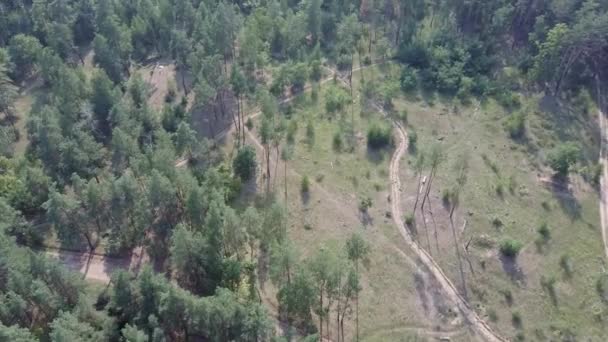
(449, 289)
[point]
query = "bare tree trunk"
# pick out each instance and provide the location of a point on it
(417, 193)
(285, 178)
(464, 285)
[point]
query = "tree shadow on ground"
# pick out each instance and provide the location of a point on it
(376, 156)
(511, 268)
(305, 197)
(564, 196)
(366, 218)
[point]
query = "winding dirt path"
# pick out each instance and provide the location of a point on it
(478, 325)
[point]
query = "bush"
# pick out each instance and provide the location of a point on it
(305, 185)
(337, 141)
(516, 125)
(602, 287)
(516, 319)
(365, 203)
(562, 157)
(408, 80)
(565, 262)
(544, 232)
(507, 99)
(510, 247)
(336, 99)
(378, 136)
(292, 129)
(310, 132)
(244, 163)
(402, 115)
(414, 54)
(409, 220)
(412, 139)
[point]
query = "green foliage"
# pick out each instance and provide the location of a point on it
(516, 125)
(510, 247)
(244, 164)
(337, 141)
(379, 136)
(409, 220)
(336, 99)
(544, 231)
(562, 157)
(305, 184)
(365, 204)
(408, 79)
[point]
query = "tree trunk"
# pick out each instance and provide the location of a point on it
(321, 315)
(356, 305)
(285, 178)
(417, 193)
(464, 285)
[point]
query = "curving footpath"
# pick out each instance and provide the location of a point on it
(479, 325)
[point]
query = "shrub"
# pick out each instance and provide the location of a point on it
(510, 247)
(402, 115)
(499, 188)
(292, 129)
(310, 132)
(507, 99)
(378, 136)
(548, 284)
(508, 296)
(412, 139)
(492, 315)
(336, 99)
(171, 92)
(602, 287)
(497, 222)
(337, 141)
(516, 125)
(244, 163)
(562, 157)
(305, 184)
(565, 262)
(516, 319)
(544, 232)
(365, 203)
(446, 195)
(414, 54)
(409, 220)
(408, 80)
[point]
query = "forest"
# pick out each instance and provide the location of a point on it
(212, 185)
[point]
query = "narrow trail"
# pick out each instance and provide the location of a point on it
(603, 160)
(478, 325)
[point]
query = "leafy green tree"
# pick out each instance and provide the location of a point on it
(562, 157)
(24, 51)
(357, 250)
(15, 334)
(244, 164)
(68, 327)
(103, 98)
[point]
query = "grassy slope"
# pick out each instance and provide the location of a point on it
(572, 215)
(390, 301)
